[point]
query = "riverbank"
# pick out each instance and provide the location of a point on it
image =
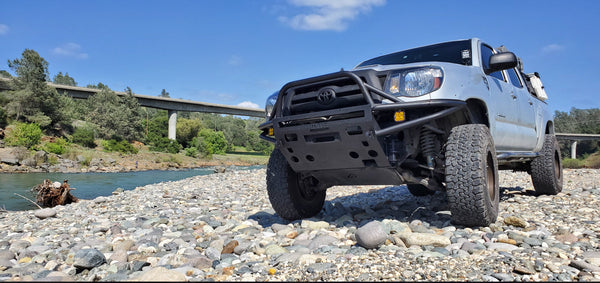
(222, 227)
(78, 159)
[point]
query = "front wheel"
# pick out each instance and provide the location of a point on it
(291, 196)
(472, 176)
(546, 169)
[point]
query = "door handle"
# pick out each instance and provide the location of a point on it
(530, 102)
(514, 97)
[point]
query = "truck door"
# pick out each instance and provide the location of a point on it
(504, 117)
(527, 112)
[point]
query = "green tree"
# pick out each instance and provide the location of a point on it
(115, 115)
(164, 93)
(32, 100)
(31, 68)
(255, 143)
(64, 79)
(209, 142)
(158, 131)
(578, 121)
(233, 128)
(98, 86)
(187, 129)
(84, 136)
(157, 127)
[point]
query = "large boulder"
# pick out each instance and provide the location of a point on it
(372, 235)
(9, 156)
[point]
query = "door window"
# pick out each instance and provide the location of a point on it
(486, 52)
(514, 78)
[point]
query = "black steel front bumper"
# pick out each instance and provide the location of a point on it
(348, 138)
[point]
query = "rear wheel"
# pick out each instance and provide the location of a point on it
(546, 169)
(291, 196)
(472, 176)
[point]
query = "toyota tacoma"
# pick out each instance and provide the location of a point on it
(443, 117)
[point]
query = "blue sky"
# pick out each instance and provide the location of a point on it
(239, 52)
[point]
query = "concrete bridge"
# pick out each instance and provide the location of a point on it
(172, 105)
(575, 138)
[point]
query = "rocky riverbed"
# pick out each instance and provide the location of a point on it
(221, 227)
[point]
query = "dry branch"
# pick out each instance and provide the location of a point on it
(29, 200)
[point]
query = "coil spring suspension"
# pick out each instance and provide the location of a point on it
(427, 142)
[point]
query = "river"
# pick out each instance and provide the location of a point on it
(89, 185)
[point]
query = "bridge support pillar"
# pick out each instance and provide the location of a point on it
(574, 150)
(172, 124)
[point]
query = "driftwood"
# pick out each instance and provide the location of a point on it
(49, 195)
(29, 200)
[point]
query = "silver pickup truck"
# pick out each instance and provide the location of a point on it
(444, 117)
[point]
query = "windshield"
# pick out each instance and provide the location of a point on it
(458, 52)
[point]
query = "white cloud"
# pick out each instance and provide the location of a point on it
(4, 29)
(328, 14)
(552, 48)
(248, 104)
(70, 50)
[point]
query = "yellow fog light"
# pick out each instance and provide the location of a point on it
(399, 116)
(271, 132)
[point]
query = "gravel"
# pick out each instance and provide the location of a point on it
(221, 227)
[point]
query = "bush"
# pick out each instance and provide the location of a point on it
(59, 146)
(255, 143)
(593, 161)
(572, 163)
(119, 145)
(84, 137)
(209, 142)
(24, 134)
(163, 144)
(191, 151)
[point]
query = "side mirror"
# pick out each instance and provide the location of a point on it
(502, 61)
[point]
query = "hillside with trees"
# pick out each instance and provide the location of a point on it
(579, 121)
(34, 116)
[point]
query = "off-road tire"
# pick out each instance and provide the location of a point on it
(472, 175)
(546, 169)
(419, 190)
(285, 194)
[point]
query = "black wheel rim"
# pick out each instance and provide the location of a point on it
(490, 176)
(557, 171)
(305, 188)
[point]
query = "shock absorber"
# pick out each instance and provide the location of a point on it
(392, 150)
(427, 142)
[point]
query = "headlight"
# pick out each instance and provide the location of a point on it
(270, 104)
(414, 82)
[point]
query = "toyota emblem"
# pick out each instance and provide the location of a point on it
(326, 96)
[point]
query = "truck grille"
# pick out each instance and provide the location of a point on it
(324, 95)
